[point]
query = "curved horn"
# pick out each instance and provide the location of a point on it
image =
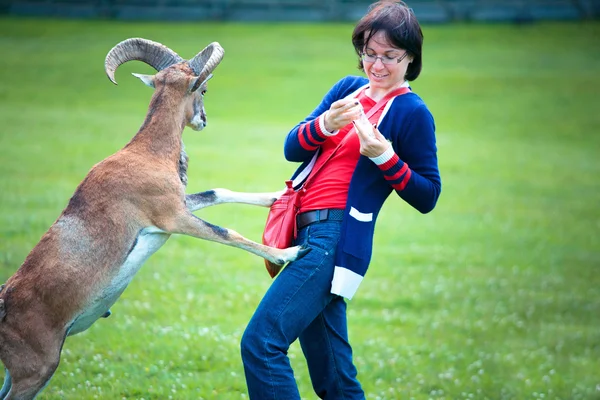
(207, 60)
(152, 53)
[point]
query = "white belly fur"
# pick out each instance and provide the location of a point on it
(148, 242)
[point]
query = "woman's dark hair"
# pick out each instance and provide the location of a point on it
(401, 28)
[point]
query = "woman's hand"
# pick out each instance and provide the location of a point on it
(372, 142)
(341, 113)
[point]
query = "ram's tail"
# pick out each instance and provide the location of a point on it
(7, 381)
(2, 311)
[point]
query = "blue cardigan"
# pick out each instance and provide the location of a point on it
(411, 170)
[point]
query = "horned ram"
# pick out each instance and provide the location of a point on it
(123, 211)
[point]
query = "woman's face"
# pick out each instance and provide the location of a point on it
(382, 76)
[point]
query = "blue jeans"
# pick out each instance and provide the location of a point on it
(299, 305)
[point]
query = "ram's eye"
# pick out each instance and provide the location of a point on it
(203, 92)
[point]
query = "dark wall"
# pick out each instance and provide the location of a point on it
(432, 11)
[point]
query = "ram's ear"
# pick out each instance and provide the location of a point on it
(196, 83)
(147, 79)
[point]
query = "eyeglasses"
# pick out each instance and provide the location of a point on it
(372, 58)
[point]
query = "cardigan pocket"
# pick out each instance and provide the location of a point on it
(358, 235)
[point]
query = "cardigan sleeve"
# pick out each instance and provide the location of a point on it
(410, 166)
(306, 137)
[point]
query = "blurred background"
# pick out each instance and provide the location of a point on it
(493, 295)
(428, 11)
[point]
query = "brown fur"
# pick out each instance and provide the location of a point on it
(138, 187)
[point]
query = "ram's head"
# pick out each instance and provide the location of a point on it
(186, 78)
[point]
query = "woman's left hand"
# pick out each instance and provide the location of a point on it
(372, 142)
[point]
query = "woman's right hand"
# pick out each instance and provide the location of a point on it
(341, 113)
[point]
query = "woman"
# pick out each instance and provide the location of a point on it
(357, 167)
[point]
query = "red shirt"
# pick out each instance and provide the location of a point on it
(330, 187)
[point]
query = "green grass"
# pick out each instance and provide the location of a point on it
(494, 295)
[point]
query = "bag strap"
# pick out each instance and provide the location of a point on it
(386, 98)
(373, 110)
(300, 180)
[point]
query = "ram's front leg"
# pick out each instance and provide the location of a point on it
(189, 224)
(213, 197)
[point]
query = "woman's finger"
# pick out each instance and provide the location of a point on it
(378, 135)
(364, 126)
(343, 104)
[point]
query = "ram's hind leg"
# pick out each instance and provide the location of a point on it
(31, 370)
(27, 384)
(213, 197)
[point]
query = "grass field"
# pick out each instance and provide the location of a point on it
(494, 295)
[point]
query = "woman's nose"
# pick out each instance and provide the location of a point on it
(381, 64)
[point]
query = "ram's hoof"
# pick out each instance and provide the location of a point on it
(303, 251)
